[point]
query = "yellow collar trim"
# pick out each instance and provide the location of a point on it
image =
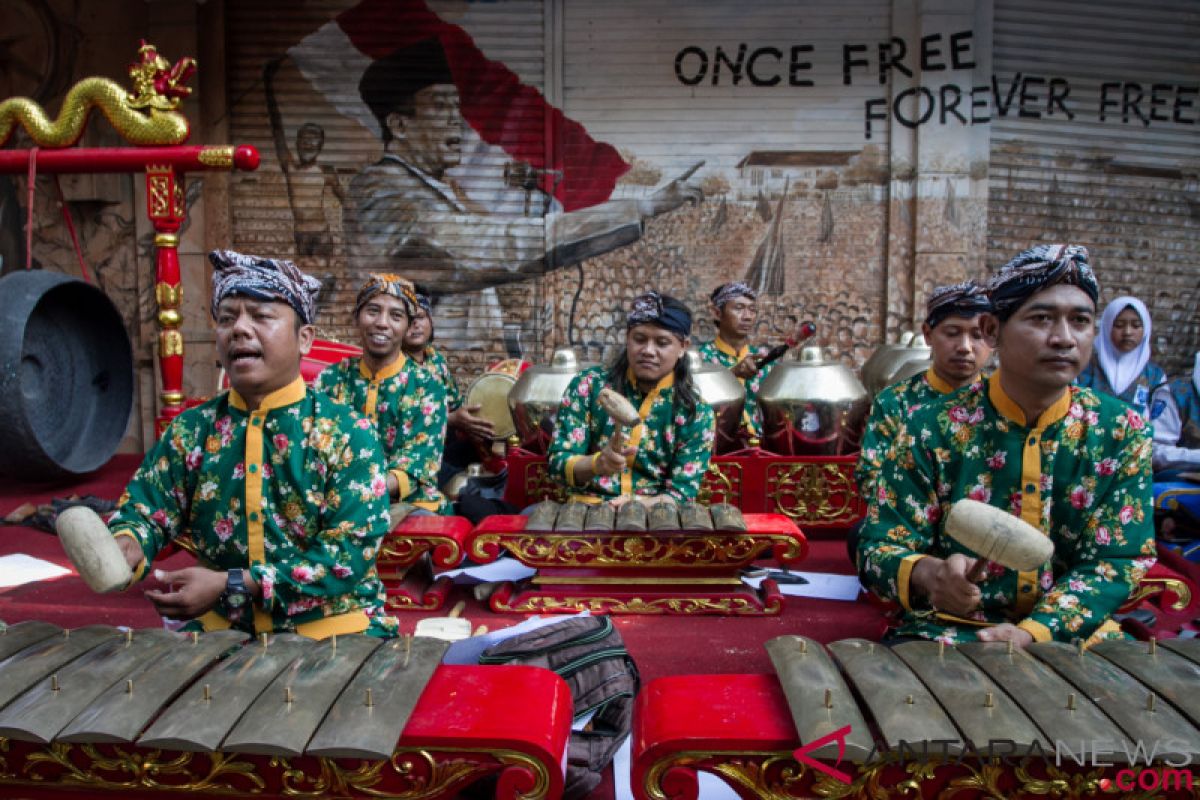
(666, 382)
(726, 348)
(941, 385)
(1009, 408)
(292, 393)
(388, 371)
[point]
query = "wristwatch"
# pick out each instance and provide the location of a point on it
(235, 600)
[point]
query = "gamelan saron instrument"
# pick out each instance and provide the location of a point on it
(921, 719)
(156, 712)
(665, 559)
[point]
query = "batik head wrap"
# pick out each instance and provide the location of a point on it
(1037, 268)
(1122, 369)
(662, 310)
(387, 283)
(727, 291)
(964, 299)
(267, 279)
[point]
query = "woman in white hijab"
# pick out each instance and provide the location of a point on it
(1121, 365)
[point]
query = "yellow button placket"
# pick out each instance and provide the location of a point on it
(254, 507)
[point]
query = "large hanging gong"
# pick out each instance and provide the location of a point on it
(66, 376)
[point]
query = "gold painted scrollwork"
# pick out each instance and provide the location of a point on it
(216, 156)
(422, 774)
(159, 187)
(596, 549)
(146, 768)
(730, 606)
(170, 343)
(722, 483)
(812, 492)
(538, 485)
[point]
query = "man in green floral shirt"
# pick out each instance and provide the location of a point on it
(668, 453)
(1062, 458)
(406, 402)
(280, 489)
(735, 310)
(953, 328)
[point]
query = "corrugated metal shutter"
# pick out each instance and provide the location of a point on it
(315, 213)
(1126, 185)
(670, 85)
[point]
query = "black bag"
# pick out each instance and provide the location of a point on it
(589, 654)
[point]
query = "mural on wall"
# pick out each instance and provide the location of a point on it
(687, 145)
(530, 231)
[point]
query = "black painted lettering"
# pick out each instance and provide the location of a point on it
(891, 56)
(1105, 102)
(950, 105)
(1029, 96)
(796, 65)
(979, 99)
(960, 43)
(1128, 104)
(872, 112)
(929, 53)
(692, 78)
(1181, 104)
(735, 67)
(1156, 101)
(849, 61)
(773, 52)
(1002, 105)
(919, 94)
(1060, 90)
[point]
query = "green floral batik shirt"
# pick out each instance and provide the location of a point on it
(1080, 473)
(721, 352)
(891, 407)
(436, 363)
(408, 405)
(672, 451)
(295, 491)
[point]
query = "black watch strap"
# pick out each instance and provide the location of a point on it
(235, 600)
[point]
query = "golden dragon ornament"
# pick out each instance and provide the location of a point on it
(147, 116)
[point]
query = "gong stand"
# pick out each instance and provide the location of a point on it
(147, 119)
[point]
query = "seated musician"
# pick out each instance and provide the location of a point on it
(407, 403)
(1121, 365)
(734, 308)
(281, 490)
(1074, 463)
(668, 453)
(1175, 413)
(953, 328)
(459, 451)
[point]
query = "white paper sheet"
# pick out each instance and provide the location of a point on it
(18, 569)
(824, 585)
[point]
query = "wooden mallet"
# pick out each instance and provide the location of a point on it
(622, 412)
(996, 535)
(93, 550)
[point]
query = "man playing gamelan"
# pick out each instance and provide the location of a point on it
(953, 328)
(668, 453)
(735, 310)
(407, 403)
(1070, 462)
(281, 490)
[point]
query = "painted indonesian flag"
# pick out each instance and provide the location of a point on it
(503, 111)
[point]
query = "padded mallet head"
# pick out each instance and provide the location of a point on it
(995, 535)
(617, 407)
(93, 550)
